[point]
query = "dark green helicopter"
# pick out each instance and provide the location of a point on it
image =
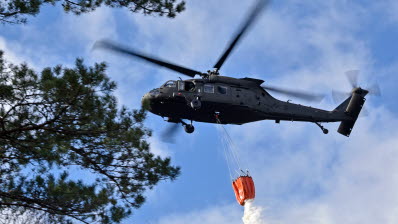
(221, 99)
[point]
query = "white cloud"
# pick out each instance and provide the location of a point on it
(9, 55)
(12, 53)
(159, 148)
(88, 28)
(320, 46)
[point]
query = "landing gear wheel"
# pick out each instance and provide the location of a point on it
(189, 128)
(324, 130)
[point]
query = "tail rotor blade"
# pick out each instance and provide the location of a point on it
(374, 89)
(352, 76)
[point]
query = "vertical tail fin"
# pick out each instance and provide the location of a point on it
(343, 106)
(352, 106)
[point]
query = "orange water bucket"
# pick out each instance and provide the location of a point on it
(244, 189)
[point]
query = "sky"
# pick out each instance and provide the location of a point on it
(300, 174)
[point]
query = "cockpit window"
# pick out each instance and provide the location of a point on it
(170, 84)
(208, 88)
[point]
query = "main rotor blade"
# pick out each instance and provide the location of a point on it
(314, 97)
(168, 135)
(352, 76)
(124, 50)
(249, 21)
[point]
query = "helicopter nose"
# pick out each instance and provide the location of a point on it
(148, 99)
(146, 102)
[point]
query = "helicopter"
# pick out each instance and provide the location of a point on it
(213, 98)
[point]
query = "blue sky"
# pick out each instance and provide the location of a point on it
(301, 175)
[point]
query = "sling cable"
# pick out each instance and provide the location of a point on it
(242, 182)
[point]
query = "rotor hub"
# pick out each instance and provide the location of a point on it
(360, 91)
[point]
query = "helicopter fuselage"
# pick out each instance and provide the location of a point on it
(235, 101)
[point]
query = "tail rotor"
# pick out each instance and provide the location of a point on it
(352, 76)
(354, 101)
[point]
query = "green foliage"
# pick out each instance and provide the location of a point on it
(15, 11)
(67, 119)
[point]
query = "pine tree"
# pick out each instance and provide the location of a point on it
(64, 124)
(16, 11)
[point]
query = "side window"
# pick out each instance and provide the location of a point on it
(208, 88)
(222, 89)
